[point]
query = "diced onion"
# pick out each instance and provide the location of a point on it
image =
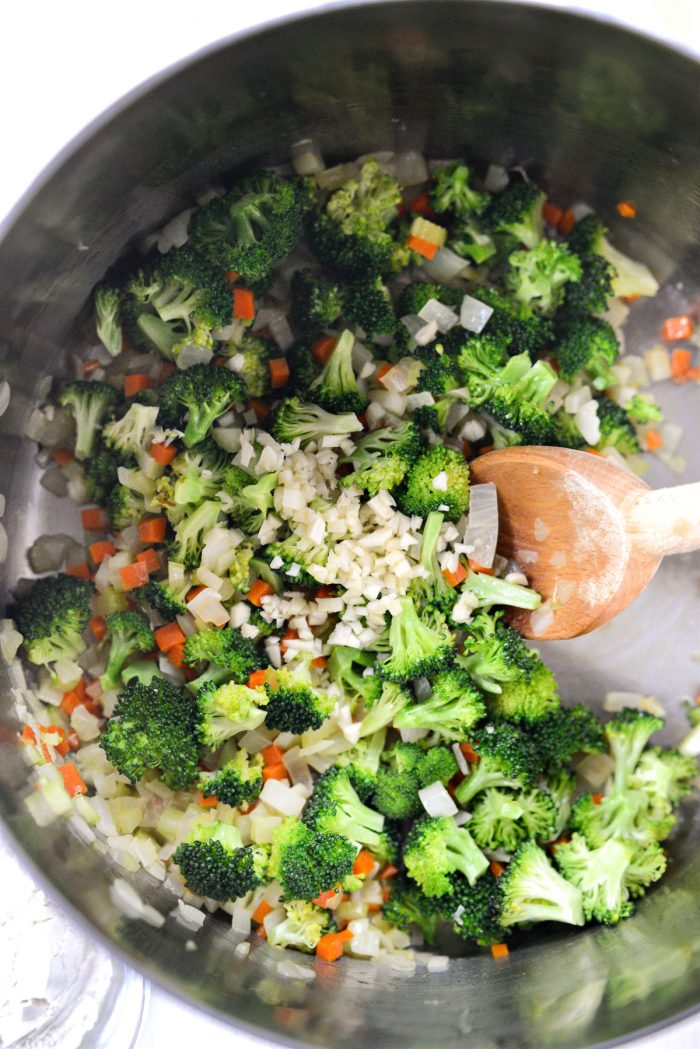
(473, 314)
(588, 422)
(437, 313)
(658, 363)
(482, 526)
(240, 920)
(595, 769)
(541, 619)
(426, 334)
(496, 178)
(410, 168)
(306, 157)
(460, 759)
(436, 801)
(616, 701)
(445, 265)
(54, 481)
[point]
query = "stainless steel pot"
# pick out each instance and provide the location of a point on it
(597, 113)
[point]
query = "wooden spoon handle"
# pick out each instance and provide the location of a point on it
(665, 521)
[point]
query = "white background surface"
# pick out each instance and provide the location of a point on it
(62, 64)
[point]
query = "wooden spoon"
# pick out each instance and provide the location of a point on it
(588, 534)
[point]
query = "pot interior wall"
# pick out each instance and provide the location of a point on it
(597, 114)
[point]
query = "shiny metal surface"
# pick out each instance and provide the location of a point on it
(597, 113)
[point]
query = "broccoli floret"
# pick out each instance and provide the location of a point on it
(624, 814)
(590, 344)
(382, 458)
(226, 648)
(308, 862)
(665, 775)
(303, 368)
(436, 848)
(247, 230)
(124, 507)
(509, 324)
(643, 410)
(453, 707)
(530, 890)
(335, 389)
(381, 708)
(507, 758)
(203, 392)
(368, 304)
(294, 703)
(52, 618)
(214, 863)
(438, 372)
(131, 434)
(419, 495)
(494, 652)
(107, 302)
(199, 472)
(261, 570)
(467, 240)
(174, 300)
(590, 294)
(489, 590)
(647, 865)
(630, 278)
(303, 927)
(298, 420)
(416, 647)
(529, 698)
(504, 820)
(250, 501)
(191, 531)
(450, 192)
(562, 788)
(519, 400)
(90, 403)
(537, 278)
(628, 733)
(480, 359)
(252, 361)
(346, 667)
(257, 620)
(129, 632)
(101, 476)
(167, 599)
(566, 432)
(407, 906)
(517, 211)
(362, 763)
(298, 556)
(616, 430)
(225, 710)
(564, 733)
(431, 588)
(470, 908)
(316, 303)
(415, 296)
(153, 727)
(406, 770)
(143, 670)
(238, 781)
(351, 235)
(599, 874)
(335, 808)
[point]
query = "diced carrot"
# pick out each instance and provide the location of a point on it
(275, 772)
(94, 519)
(327, 897)
(207, 803)
(467, 449)
(260, 589)
(693, 373)
(323, 348)
(289, 635)
(364, 864)
(476, 567)
(330, 947)
(168, 635)
(134, 575)
(62, 456)
(496, 868)
(152, 530)
(421, 205)
(626, 209)
(272, 755)
(90, 366)
(344, 935)
(594, 451)
(552, 214)
(98, 626)
(191, 594)
(469, 752)
(231, 274)
(456, 577)
(257, 678)
(675, 329)
(28, 735)
(323, 592)
(162, 453)
(150, 559)
(260, 408)
(383, 370)
(262, 932)
(176, 656)
(72, 780)
(319, 661)
(426, 248)
(136, 383)
(653, 440)
(597, 798)
(484, 449)
(81, 571)
(566, 222)
(279, 372)
(499, 950)
(390, 871)
(630, 298)
(80, 689)
(362, 419)
(243, 304)
(100, 550)
(680, 364)
(261, 912)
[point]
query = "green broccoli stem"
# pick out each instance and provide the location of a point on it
(200, 420)
(120, 651)
(465, 854)
(489, 590)
(481, 777)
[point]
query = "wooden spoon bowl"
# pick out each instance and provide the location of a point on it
(588, 534)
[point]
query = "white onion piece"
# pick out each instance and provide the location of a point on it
(462, 762)
(402, 376)
(174, 233)
(588, 423)
(474, 315)
(410, 168)
(207, 607)
(254, 741)
(295, 765)
(48, 553)
(192, 354)
(496, 178)
(445, 265)
(426, 334)
(240, 920)
(482, 526)
(10, 640)
(576, 399)
(334, 178)
(4, 396)
(306, 157)
(595, 769)
(658, 363)
(412, 735)
(541, 619)
(439, 314)
(436, 801)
